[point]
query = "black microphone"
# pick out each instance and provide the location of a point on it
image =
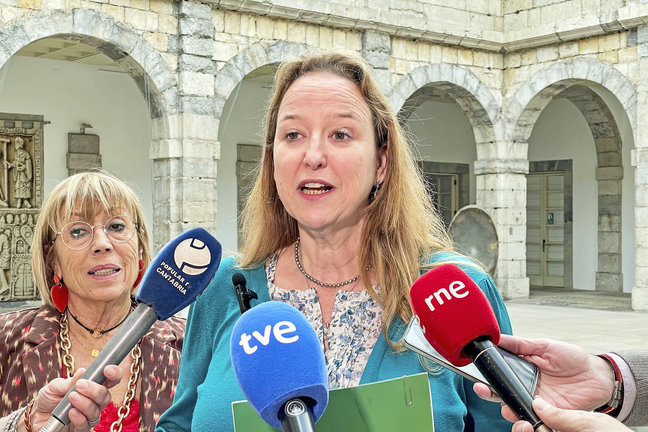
(458, 321)
(243, 294)
(177, 275)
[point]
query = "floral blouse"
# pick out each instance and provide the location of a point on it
(352, 333)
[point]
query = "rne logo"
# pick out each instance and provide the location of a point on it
(454, 290)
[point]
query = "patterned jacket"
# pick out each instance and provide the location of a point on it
(30, 357)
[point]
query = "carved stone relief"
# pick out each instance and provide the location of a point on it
(21, 195)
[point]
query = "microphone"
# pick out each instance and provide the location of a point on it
(458, 321)
(279, 364)
(176, 276)
(243, 294)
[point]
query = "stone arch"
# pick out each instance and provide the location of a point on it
(141, 61)
(534, 95)
(240, 159)
(575, 82)
(464, 87)
(609, 175)
(114, 39)
(255, 56)
(482, 111)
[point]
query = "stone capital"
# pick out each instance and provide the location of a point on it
(501, 166)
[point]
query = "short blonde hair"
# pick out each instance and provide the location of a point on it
(402, 227)
(87, 193)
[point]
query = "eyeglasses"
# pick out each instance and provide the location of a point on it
(78, 235)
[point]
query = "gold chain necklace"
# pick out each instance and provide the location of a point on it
(136, 355)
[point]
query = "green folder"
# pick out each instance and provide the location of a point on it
(385, 406)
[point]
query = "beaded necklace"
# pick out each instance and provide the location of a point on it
(318, 282)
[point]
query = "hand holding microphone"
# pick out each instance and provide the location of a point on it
(571, 379)
(279, 364)
(458, 321)
(89, 400)
(177, 275)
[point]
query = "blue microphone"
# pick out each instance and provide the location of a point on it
(176, 276)
(280, 366)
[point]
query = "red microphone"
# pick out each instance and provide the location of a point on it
(458, 321)
(452, 311)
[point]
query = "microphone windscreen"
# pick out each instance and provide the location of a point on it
(180, 272)
(452, 311)
(238, 279)
(277, 356)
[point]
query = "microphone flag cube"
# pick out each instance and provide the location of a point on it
(452, 311)
(180, 272)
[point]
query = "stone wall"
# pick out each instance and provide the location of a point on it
(501, 62)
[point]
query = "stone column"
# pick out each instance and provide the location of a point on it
(501, 192)
(640, 161)
(376, 49)
(608, 275)
(185, 159)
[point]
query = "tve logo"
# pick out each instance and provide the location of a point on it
(454, 290)
(283, 332)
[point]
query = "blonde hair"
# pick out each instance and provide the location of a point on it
(402, 228)
(85, 193)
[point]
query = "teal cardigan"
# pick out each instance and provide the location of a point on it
(207, 385)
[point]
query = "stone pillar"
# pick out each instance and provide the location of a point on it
(185, 157)
(247, 165)
(640, 161)
(501, 192)
(609, 276)
(376, 49)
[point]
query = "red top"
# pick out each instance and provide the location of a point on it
(109, 416)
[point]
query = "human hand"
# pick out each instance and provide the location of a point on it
(88, 399)
(561, 420)
(570, 378)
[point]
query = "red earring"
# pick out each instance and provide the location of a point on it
(140, 274)
(59, 293)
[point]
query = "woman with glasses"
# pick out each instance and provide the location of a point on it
(89, 252)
